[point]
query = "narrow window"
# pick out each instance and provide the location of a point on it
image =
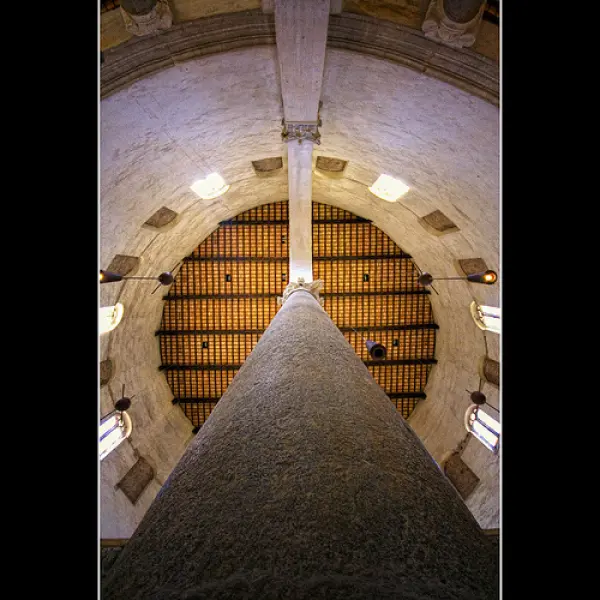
(114, 428)
(110, 317)
(486, 317)
(485, 428)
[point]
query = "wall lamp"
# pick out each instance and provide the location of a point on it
(488, 277)
(165, 278)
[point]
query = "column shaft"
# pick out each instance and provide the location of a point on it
(301, 35)
(300, 209)
(305, 483)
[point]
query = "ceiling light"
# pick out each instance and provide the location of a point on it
(388, 188)
(376, 350)
(211, 187)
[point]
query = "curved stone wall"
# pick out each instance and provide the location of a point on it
(219, 113)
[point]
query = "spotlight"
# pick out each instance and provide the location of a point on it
(108, 277)
(165, 278)
(488, 277)
(376, 350)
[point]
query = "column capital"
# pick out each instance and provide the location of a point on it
(158, 19)
(439, 27)
(314, 287)
(301, 130)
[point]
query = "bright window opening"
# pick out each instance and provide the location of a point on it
(110, 317)
(486, 317)
(485, 428)
(211, 187)
(388, 188)
(114, 428)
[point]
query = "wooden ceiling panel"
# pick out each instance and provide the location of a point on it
(225, 296)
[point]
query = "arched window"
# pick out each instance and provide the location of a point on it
(485, 428)
(110, 317)
(486, 317)
(114, 428)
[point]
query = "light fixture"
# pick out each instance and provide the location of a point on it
(488, 277)
(165, 278)
(389, 189)
(376, 350)
(211, 187)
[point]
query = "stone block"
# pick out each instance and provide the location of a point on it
(136, 480)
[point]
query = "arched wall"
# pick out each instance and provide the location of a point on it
(220, 112)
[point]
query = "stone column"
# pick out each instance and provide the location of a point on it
(453, 22)
(305, 483)
(301, 34)
(300, 209)
(146, 16)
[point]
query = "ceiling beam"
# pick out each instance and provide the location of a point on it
(301, 35)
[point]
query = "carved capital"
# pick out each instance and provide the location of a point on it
(295, 130)
(158, 19)
(439, 27)
(314, 287)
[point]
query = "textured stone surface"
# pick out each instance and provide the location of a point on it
(440, 222)
(123, 265)
(138, 7)
(483, 502)
(106, 371)
(136, 479)
(462, 11)
(265, 165)
(458, 29)
(333, 165)
(107, 559)
(379, 116)
(491, 370)
(163, 216)
(406, 12)
(472, 265)
(305, 487)
(301, 37)
(462, 478)
(139, 57)
(157, 19)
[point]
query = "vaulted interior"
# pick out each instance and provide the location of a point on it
(212, 102)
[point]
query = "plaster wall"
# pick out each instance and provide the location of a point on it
(218, 113)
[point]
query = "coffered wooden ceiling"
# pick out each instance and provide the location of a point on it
(225, 296)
